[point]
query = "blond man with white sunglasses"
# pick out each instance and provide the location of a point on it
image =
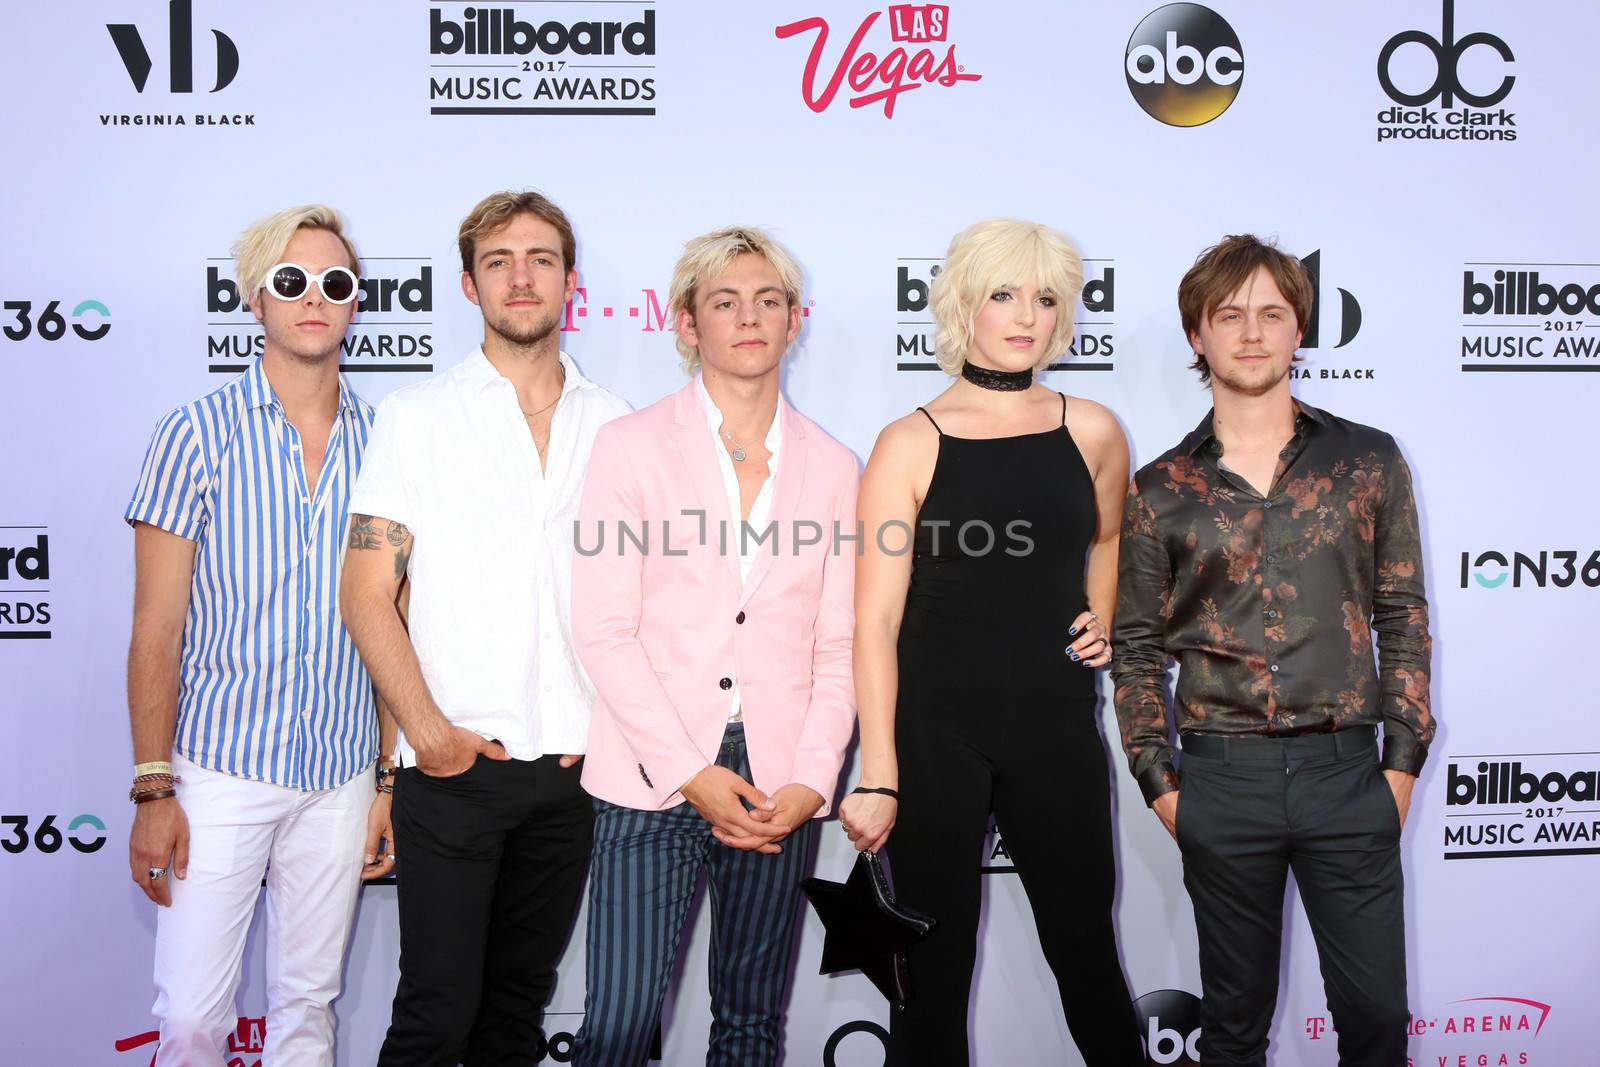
(254, 723)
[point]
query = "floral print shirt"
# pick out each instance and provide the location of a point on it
(1269, 604)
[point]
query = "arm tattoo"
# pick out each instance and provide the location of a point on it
(397, 534)
(401, 559)
(363, 535)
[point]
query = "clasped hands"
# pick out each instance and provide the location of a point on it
(742, 816)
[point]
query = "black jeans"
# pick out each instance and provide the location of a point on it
(1250, 810)
(490, 866)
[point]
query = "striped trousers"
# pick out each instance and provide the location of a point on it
(643, 877)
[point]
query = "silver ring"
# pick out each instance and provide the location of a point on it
(157, 872)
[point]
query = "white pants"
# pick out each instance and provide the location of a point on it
(313, 841)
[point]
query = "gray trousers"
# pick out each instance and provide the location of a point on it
(1253, 809)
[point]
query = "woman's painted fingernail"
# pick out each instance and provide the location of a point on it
(1073, 654)
(1072, 631)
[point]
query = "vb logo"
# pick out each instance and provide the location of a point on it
(1349, 307)
(1171, 1027)
(1447, 52)
(180, 41)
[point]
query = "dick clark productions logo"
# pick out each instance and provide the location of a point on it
(1184, 64)
(881, 79)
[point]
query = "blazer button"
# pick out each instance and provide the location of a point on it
(739, 618)
(726, 683)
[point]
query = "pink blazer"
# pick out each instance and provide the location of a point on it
(666, 632)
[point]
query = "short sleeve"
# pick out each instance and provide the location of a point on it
(171, 492)
(387, 485)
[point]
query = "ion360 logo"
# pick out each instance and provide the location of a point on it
(1184, 64)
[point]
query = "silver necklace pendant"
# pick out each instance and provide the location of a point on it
(738, 453)
(738, 449)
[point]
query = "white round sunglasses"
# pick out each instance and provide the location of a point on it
(289, 281)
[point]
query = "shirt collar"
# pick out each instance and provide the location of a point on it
(714, 417)
(1305, 418)
(258, 391)
(481, 374)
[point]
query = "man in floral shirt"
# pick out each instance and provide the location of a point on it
(1262, 553)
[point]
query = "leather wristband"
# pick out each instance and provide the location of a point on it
(884, 790)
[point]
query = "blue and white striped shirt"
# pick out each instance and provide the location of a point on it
(270, 685)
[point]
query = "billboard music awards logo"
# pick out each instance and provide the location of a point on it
(24, 583)
(1522, 804)
(133, 48)
(392, 330)
(921, 56)
(1094, 337)
(1335, 322)
(1530, 317)
(1432, 66)
(1184, 64)
(1471, 1032)
(559, 57)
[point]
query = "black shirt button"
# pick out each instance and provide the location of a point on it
(1266, 504)
(739, 618)
(1271, 558)
(1272, 614)
(726, 683)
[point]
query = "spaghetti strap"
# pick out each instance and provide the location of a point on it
(1063, 409)
(941, 432)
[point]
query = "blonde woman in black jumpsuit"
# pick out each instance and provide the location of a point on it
(975, 645)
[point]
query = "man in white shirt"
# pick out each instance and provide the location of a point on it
(470, 488)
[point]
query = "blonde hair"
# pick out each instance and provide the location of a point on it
(498, 209)
(1002, 254)
(260, 247)
(709, 255)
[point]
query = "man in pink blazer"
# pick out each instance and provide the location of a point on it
(711, 594)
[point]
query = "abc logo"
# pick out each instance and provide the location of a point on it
(1184, 64)
(1169, 1025)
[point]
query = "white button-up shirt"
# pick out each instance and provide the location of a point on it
(760, 511)
(491, 566)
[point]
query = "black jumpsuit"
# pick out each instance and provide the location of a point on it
(992, 716)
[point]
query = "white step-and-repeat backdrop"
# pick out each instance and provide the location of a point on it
(1431, 160)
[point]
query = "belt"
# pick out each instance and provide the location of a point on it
(1255, 748)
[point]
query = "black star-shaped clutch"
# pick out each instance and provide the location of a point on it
(866, 930)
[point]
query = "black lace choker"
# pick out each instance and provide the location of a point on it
(1001, 380)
